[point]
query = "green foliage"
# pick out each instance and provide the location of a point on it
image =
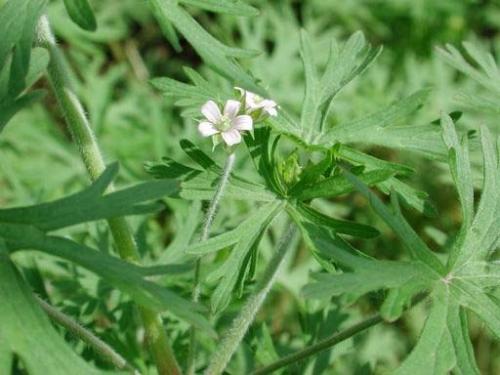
(19, 70)
(444, 344)
(29, 333)
(352, 160)
(81, 13)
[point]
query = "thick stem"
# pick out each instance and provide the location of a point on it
(233, 336)
(205, 232)
(103, 349)
(83, 136)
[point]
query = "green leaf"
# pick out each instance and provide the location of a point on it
(338, 185)
(18, 20)
(475, 299)
(459, 330)
(232, 267)
(487, 73)
(482, 238)
(91, 204)
(125, 276)
(365, 274)
(345, 63)
(310, 114)
(417, 247)
(254, 223)
(460, 168)
(339, 226)
(434, 353)
(399, 298)
(216, 55)
(235, 7)
(81, 13)
(387, 128)
(27, 331)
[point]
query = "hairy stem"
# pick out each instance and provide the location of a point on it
(207, 225)
(320, 346)
(103, 349)
(233, 336)
(78, 124)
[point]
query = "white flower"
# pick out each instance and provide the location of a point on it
(258, 105)
(228, 124)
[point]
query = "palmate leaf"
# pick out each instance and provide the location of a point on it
(25, 229)
(27, 332)
(485, 72)
(463, 284)
(244, 238)
(18, 19)
(217, 55)
(344, 64)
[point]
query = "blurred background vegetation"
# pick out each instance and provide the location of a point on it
(135, 124)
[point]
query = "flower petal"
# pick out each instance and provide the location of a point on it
(272, 111)
(243, 122)
(207, 129)
(231, 137)
(211, 111)
(232, 108)
(240, 90)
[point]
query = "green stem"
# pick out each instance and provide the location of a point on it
(320, 346)
(328, 342)
(76, 120)
(233, 336)
(103, 349)
(207, 225)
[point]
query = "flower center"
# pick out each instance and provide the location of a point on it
(224, 124)
(258, 99)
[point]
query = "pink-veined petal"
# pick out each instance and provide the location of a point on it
(243, 122)
(231, 137)
(207, 129)
(211, 111)
(232, 108)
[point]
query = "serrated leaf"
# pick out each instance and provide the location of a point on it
(81, 13)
